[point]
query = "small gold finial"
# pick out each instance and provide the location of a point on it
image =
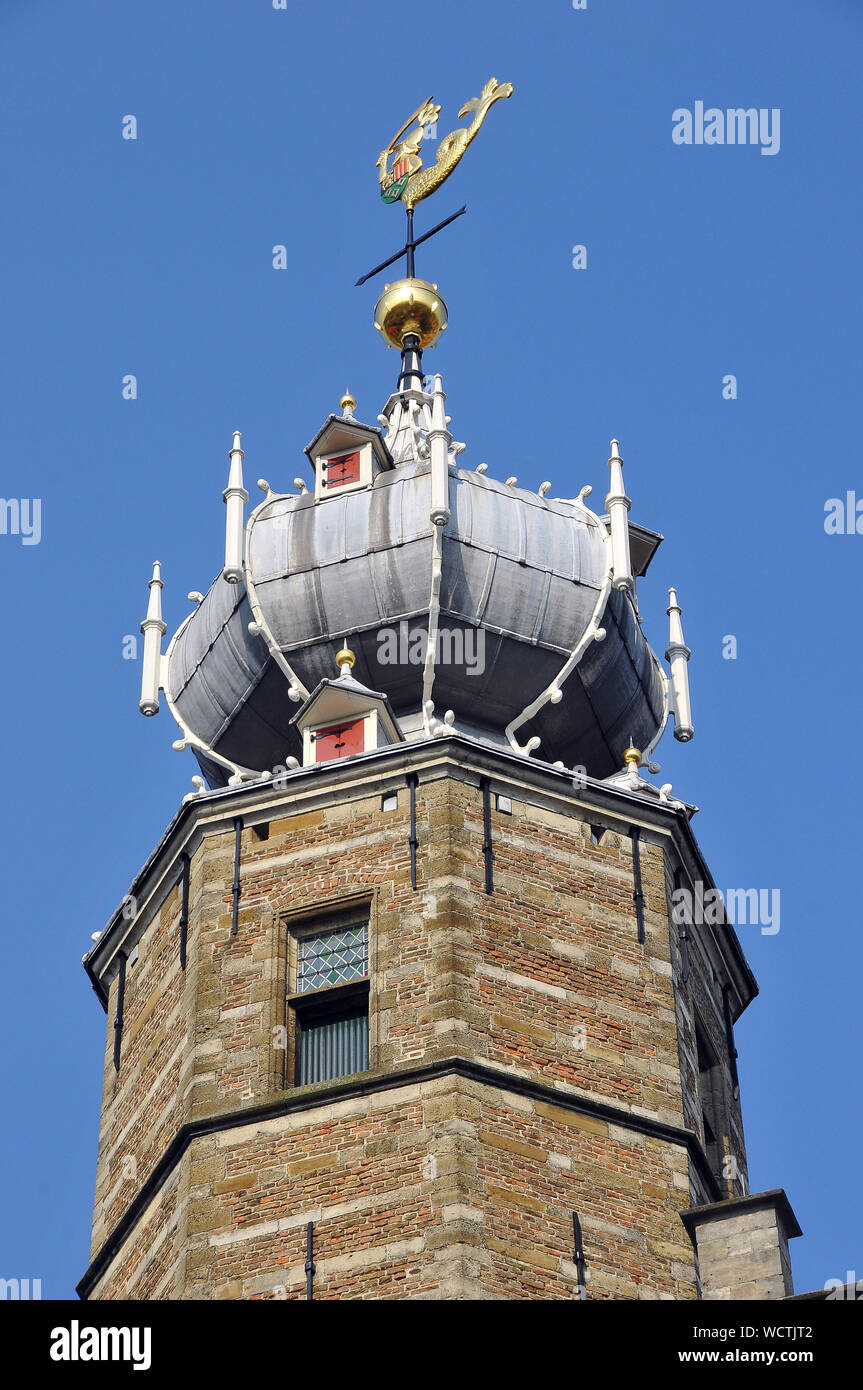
(345, 658)
(347, 402)
(632, 758)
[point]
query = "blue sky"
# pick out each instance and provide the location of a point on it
(259, 127)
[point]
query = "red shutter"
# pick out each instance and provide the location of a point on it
(345, 469)
(339, 741)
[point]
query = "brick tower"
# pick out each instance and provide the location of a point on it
(403, 1004)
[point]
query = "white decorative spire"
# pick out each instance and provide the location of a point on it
(154, 630)
(236, 497)
(439, 439)
(678, 655)
(617, 505)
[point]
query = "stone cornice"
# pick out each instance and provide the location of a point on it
(383, 769)
(331, 1092)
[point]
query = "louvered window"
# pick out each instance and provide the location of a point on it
(331, 1002)
(331, 1047)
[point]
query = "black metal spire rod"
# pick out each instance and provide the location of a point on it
(411, 244)
(412, 363)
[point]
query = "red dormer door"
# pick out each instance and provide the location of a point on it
(339, 741)
(342, 470)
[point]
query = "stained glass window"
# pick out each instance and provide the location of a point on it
(333, 957)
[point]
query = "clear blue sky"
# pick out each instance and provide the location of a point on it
(153, 257)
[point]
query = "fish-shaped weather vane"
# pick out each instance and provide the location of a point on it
(400, 168)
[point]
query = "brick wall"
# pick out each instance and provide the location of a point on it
(450, 1186)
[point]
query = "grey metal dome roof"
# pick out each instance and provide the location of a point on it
(522, 573)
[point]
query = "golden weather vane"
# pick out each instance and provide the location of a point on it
(411, 313)
(405, 179)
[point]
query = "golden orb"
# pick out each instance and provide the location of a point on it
(632, 758)
(347, 402)
(345, 657)
(410, 306)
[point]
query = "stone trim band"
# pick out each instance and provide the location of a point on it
(331, 1093)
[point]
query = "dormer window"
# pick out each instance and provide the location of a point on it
(342, 718)
(354, 733)
(346, 455)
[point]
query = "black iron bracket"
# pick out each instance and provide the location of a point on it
(184, 909)
(729, 1039)
(578, 1257)
(118, 1017)
(413, 780)
(235, 887)
(487, 851)
(310, 1264)
(638, 895)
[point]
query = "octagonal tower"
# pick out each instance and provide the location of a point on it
(404, 1004)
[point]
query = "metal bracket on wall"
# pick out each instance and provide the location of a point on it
(235, 887)
(487, 851)
(184, 909)
(118, 1017)
(683, 934)
(413, 779)
(729, 1038)
(578, 1257)
(310, 1264)
(638, 895)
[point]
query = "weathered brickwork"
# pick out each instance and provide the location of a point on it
(441, 1190)
(142, 1105)
(457, 1184)
(701, 996)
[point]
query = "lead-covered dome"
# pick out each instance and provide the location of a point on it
(534, 641)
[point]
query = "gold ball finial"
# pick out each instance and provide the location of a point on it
(346, 658)
(632, 758)
(410, 306)
(347, 401)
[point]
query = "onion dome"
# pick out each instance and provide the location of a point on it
(511, 610)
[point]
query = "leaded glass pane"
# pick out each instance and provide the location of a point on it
(332, 957)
